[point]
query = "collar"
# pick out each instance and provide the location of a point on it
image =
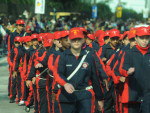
(142, 49)
(135, 49)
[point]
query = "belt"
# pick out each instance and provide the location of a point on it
(40, 78)
(87, 88)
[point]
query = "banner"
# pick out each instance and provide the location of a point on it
(94, 11)
(119, 12)
(39, 6)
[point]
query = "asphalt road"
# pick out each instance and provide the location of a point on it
(5, 106)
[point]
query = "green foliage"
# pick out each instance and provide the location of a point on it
(130, 13)
(104, 11)
(16, 7)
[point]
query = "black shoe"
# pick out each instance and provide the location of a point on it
(27, 109)
(12, 101)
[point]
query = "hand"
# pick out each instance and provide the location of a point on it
(106, 84)
(33, 80)
(122, 79)
(104, 59)
(131, 71)
(39, 65)
(14, 74)
(28, 83)
(100, 105)
(69, 88)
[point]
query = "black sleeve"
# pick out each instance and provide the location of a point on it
(60, 65)
(127, 60)
(96, 83)
(17, 57)
(103, 52)
(31, 69)
(100, 67)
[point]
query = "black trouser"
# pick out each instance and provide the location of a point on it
(145, 106)
(18, 84)
(82, 106)
(12, 88)
(109, 100)
(42, 100)
(131, 107)
(41, 95)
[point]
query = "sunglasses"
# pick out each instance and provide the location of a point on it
(22, 25)
(114, 38)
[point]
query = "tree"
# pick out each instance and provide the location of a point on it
(104, 11)
(131, 14)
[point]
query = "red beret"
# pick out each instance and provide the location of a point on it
(34, 36)
(114, 33)
(91, 36)
(142, 31)
(20, 21)
(17, 39)
(76, 33)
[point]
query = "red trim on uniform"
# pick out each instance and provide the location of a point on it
(30, 95)
(90, 45)
(77, 57)
(125, 92)
(36, 61)
(29, 65)
(99, 51)
(15, 58)
(57, 98)
(115, 78)
(57, 78)
(37, 92)
(47, 93)
(121, 70)
(92, 100)
(102, 63)
(25, 67)
(8, 45)
(10, 90)
(9, 61)
(43, 56)
(108, 68)
(125, 108)
(22, 89)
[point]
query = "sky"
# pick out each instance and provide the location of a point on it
(137, 5)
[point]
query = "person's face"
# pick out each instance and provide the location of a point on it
(65, 42)
(76, 43)
(35, 42)
(17, 44)
(126, 41)
(20, 27)
(88, 41)
(57, 43)
(114, 41)
(132, 42)
(29, 43)
(143, 41)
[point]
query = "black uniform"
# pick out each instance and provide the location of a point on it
(81, 98)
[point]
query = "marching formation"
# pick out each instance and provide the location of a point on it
(77, 71)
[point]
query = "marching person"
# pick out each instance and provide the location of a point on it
(136, 69)
(17, 64)
(20, 24)
(78, 78)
